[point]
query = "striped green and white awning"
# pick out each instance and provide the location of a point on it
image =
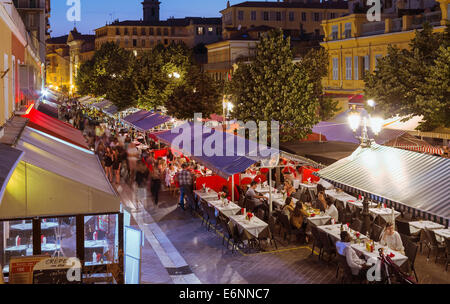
(406, 180)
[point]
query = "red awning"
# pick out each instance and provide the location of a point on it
(55, 127)
(409, 142)
(356, 99)
(315, 137)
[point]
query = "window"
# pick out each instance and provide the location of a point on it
(143, 42)
(356, 68)
(166, 41)
(118, 42)
(291, 16)
(166, 32)
(366, 63)
(316, 17)
(348, 30)
(266, 16)
(210, 29)
(158, 31)
(240, 15)
(135, 31)
(126, 42)
(134, 42)
(332, 15)
(335, 69)
(151, 32)
(200, 31)
(126, 31)
(117, 31)
(253, 15)
(172, 31)
(143, 32)
(334, 32)
(377, 57)
(317, 32)
(303, 16)
(348, 68)
(278, 16)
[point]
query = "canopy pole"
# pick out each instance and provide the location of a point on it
(232, 188)
(270, 192)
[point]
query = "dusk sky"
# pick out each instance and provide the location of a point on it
(95, 13)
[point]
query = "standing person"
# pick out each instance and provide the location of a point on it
(108, 163)
(133, 156)
(156, 181)
(117, 164)
(186, 182)
(141, 181)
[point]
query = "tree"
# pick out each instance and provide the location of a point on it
(273, 87)
(412, 82)
(315, 65)
(198, 94)
(84, 79)
(158, 72)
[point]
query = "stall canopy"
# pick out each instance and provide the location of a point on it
(9, 159)
(151, 121)
(224, 153)
(55, 127)
(405, 180)
(102, 104)
(110, 110)
(56, 179)
(410, 142)
(136, 116)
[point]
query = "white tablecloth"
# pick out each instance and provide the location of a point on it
(385, 213)
(335, 232)
(95, 244)
(29, 226)
(264, 189)
(277, 198)
(398, 259)
(340, 196)
(419, 225)
(254, 227)
(319, 220)
(206, 196)
(228, 210)
(325, 184)
(442, 234)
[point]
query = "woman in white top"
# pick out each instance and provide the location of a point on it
(330, 208)
(392, 239)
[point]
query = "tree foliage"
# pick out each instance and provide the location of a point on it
(153, 75)
(273, 87)
(198, 94)
(415, 81)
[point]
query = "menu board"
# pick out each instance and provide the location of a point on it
(57, 270)
(21, 269)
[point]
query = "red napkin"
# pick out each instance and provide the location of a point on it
(391, 255)
(351, 201)
(313, 215)
(242, 211)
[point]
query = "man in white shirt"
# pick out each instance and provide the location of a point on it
(344, 248)
(251, 194)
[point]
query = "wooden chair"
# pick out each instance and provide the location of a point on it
(328, 247)
(432, 244)
(375, 232)
(411, 252)
(317, 242)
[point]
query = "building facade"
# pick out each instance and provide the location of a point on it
(355, 45)
(144, 34)
(21, 68)
(65, 55)
(298, 17)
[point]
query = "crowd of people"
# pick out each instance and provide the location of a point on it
(125, 161)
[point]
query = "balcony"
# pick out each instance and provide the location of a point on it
(373, 28)
(434, 18)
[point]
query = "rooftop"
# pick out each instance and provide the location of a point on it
(170, 22)
(324, 5)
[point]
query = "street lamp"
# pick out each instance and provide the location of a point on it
(174, 75)
(354, 121)
(371, 103)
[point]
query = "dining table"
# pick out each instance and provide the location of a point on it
(442, 234)
(249, 229)
(225, 207)
(29, 226)
(385, 213)
(279, 199)
(417, 226)
(264, 189)
(311, 187)
(205, 195)
(359, 246)
(316, 217)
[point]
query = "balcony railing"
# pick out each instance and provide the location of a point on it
(397, 25)
(225, 65)
(373, 28)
